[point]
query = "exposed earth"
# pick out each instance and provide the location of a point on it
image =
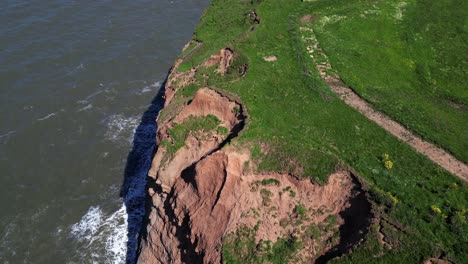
(203, 194)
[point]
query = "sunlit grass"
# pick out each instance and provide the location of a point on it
(306, 126)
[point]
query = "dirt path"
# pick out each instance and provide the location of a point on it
(431, 151)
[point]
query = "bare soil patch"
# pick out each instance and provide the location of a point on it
(308, 18)
(270, 58)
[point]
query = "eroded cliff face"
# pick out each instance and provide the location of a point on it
(204, 191)
(166, 168)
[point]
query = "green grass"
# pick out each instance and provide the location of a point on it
(270, 181)
(223, 24)
(300, 210)
(195, 125)
(266, 193)
(408, 58)
(292, 111)
(240, 248)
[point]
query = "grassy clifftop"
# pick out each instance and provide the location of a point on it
(408, 58)
(298, 125)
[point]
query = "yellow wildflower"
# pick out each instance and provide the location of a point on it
(436, 209)
(395, 200)
(388, 164)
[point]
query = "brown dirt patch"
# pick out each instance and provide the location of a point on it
(223, 58)
(209, 102)
(308, 18)
(177, 79)
(215, 192)
(270, 58)
(438, 261)
(458, 106)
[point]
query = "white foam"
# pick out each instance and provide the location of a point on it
(116, 242)
(8, 133)
(150, 88)
(121, 128)
(89, 106)
(97, 231)
(39, 213)
(95, 93)
(46, 117)
(77, 68)
(88, 226)
(146, 89)
(89, 97)
(6, 242)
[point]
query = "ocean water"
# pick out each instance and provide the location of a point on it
(77, 83)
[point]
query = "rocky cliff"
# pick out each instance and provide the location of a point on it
(205, 193)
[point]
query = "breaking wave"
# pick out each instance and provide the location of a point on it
(121, 128)
(96, 231)
(151, 87)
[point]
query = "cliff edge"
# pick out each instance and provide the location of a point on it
(262, 157)
(205, 196)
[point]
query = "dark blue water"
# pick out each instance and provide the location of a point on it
(77, 79)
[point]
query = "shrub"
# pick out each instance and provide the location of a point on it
(271, 181)
(387, 162)
(300, 210)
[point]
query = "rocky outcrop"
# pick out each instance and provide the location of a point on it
(203, 192)
(187, 186)
(177, 79)
(205, 102)
(214, 197)
(223, 59)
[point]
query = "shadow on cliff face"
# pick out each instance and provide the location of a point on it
(357, 219)
(133, 189)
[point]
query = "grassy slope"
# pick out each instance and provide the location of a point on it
(408, 58)
(196, 125)
(293, 110)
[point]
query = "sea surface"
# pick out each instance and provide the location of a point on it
(77, 83)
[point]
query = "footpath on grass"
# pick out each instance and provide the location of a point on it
(351, 98)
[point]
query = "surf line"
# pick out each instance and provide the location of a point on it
(46, 117)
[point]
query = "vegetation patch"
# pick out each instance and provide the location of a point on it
(198, 126)
(266, 196)
(301, 211)
(240, 247)
(224, 23)
(270, 181)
